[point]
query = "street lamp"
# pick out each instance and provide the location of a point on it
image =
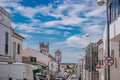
(58, 57)
(100, 3)
(89, 36)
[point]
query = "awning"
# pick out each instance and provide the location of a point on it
(34, 67)
(42, 64)
(38, 68)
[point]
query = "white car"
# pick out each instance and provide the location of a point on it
(72, 77)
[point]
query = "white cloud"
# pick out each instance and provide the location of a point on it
(25, 35)
(28, 28)
(93, 29)
(66, 34)
(71, 18)
(64, 28)
(51, 32)
(51, 23)
(77, 41)
(96, 12)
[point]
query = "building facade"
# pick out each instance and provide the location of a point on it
(101, 67)
(17, 47)
(11, 42)
(114, 31)
(53, 66)
(48, 64)
(80, 68)
(5, 35)
(37, 55)
(91, 61)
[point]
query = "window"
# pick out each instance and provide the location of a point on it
(113, 10)
(112, 53)
(112, 6)
(119, 6)
(115, 62)
(109, 14)
(33, 59)
(6, 42)
(14, 50)
(119, 48)
(18, 50)
(102, 62)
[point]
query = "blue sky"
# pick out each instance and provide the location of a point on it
(62, 23)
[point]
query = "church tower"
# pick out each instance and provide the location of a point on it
(44, 48)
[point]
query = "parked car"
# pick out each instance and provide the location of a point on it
(72, 77)
(41, 77)
(58, 78)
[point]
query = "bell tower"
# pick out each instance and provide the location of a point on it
(44, 48)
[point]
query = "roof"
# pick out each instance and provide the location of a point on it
(99, 41)
(18, 36)
(4, 11)
(34, 53)
(25, 54)
(42, 64)
(52, 57)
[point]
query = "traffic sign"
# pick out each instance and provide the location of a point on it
(98, 66)
(109, 61)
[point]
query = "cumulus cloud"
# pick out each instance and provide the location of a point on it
(92, 29)
(77, 41)
(96, 12)
(52, 32)
(71, 18)
(25, 35)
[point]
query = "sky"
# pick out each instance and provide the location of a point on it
(61, 23)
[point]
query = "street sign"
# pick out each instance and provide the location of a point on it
(109, 61)
(98, 66)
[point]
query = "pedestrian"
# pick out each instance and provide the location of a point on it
(51, 77)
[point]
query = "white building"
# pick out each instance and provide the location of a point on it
(39, 56)
(114, 31)
(17, 47)
(5, 35)
(114, 25)
(101, 67)
(8, 50)
(53, 65)
(42, 60)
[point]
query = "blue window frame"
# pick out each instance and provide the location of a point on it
(113, 10)
(118, 6)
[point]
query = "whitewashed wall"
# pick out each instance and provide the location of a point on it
(40, 57)
(5, 26)
(115, 68)
(114, 38)
(18, 57)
